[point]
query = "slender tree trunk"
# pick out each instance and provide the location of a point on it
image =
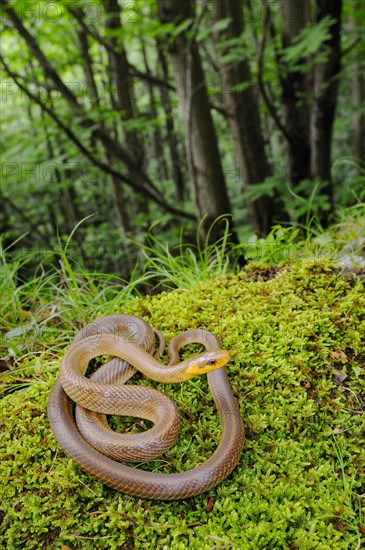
(326, 82)
(118, 66)
(156, 130)
(117, 189)
(205, 169)
(67, 195)
(244, 116)
(119, 75)
(295, 97)
(176, 162)
(359, 115)
(358, 94)
(118, 192)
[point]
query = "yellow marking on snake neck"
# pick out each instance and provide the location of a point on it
(206, 362)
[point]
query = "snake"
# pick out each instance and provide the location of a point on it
(78, 406)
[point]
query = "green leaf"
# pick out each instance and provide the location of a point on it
(183, 26)
(357, 370)
(308, 41)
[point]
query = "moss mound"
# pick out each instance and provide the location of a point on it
(294, 333)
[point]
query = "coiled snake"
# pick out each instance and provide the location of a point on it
(85, 435)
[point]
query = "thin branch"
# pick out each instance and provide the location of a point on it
(79, 15)
(271, 27)
(41, 85)
(219, 109)
(350, 47)
(212, 61)
(150, 78)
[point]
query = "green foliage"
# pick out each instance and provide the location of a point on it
(56, 186)
(353, 170)
(349, 226)
(308, 43)
(354, 511)
(307, 201)
(304, 203)
(29, 310)
(218, 26)
(280, 245)
(186, 264)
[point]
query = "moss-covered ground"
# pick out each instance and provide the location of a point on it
(294, 333)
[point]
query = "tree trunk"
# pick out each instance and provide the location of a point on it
(159, 154)
(205, 169)
(244, 116)
(117, 189)
(295, 98)
(118, 66)
(119, 75)
(177, 173)
(358, 96)
(326, 82)
(65, 195)
(359, 115)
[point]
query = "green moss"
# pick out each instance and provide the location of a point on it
(303, 463)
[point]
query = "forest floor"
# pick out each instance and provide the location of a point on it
(296, 336)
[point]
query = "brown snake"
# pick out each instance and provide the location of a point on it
(85, 435)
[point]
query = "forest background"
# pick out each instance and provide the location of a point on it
(121, 114)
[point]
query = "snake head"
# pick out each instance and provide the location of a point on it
(205, 362)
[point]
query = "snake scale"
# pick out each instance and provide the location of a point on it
(83, 431)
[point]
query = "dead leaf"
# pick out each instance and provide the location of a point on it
(339, 355)
(339, 377)
(210, 504)
(6, 364)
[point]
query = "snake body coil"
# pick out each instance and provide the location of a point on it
(84, 434)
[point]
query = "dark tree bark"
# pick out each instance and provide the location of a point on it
(205, 169)
(118, 66)
(358, 94)
(119, 76)
(177, 172)
(244, 116)
(117, 189)
(162, 170)
(359, 115)
(326, 83)
(295, 94)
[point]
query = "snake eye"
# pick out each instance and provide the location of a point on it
(212, 362)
